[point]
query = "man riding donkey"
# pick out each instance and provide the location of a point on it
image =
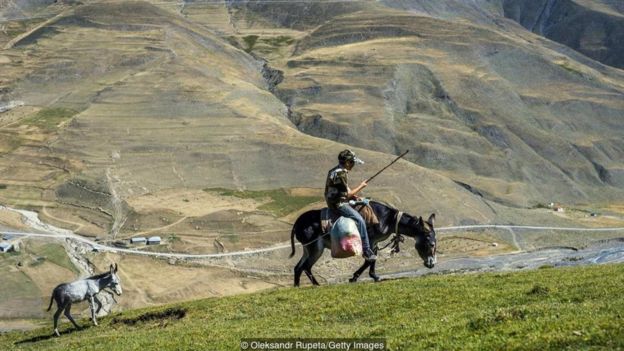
(338, 194)
(312, 227)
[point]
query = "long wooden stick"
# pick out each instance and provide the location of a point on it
(383, 169)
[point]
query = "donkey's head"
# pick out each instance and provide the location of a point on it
(426, 244)
(115, 283)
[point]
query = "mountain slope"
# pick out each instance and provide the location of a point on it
(518, 121)
(594, 28)
(146, 100)
(155, 102)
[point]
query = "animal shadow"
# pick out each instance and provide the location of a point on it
(50, 336)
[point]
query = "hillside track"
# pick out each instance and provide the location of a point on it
(101, 247)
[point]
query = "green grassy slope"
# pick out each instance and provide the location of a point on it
(548, 309)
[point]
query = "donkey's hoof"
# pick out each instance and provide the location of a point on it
(353, 280)
(376, 278)
(56, 333)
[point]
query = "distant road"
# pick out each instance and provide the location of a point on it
(113, 249)
(503, 226)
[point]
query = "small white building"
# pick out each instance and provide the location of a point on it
(153, 240)
(6, 247)
(138, 240)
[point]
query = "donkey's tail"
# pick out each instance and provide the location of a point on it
(292, 242)
(51, 301)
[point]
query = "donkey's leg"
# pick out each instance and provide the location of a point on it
(57, 314)
(99, 303)
(311, 277)
(315, 253)
(69, 316)
(92, 307)
(299, 266)
(371, 271)
(357, 273)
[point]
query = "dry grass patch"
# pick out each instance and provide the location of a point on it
(191, 202)
(50, 119)
(54, 253)
(278, 202)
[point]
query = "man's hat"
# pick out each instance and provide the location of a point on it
(348, 155)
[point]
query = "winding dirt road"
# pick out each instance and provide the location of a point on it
(48, 231)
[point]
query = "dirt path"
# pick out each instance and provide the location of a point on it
(53, 232)
(17, 39)
(79, 226)
(119, 216)
(151, 230)
(514, 239)
(100, 247)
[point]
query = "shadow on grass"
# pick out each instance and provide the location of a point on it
(168, 314)
(50, 336)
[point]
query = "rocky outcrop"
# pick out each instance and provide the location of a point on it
(595, 29)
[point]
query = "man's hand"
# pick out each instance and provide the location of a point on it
(353, 193)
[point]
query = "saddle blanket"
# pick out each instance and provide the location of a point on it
(328, 217)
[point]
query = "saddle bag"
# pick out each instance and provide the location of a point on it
(345, 239)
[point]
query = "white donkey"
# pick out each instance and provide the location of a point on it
(80, 290)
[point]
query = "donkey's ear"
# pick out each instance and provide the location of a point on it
(420, 222)
(431, 219)
(112, 269)
(115, 267)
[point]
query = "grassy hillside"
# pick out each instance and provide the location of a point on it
(552, 309)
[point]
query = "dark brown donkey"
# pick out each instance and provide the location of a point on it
(307, 229)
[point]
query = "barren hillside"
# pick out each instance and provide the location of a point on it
(213, 123)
